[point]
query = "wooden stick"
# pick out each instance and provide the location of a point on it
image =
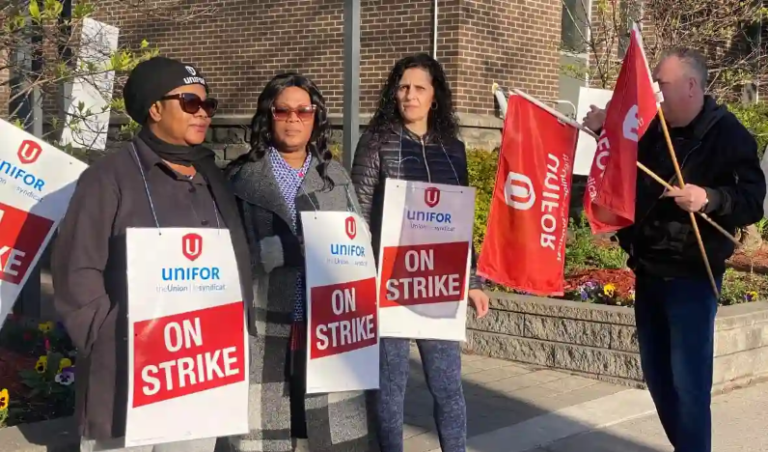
(658, 179)
(564, 119)
(680, 180)
(701, 214)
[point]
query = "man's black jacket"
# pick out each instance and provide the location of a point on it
(715, 152)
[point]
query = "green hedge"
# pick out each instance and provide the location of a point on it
(755, 118)
(482, 175)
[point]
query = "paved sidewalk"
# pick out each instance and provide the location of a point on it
(516, 408)
(738, 424)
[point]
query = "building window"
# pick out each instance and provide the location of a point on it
(575, 26)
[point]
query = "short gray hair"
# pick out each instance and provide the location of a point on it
(695, 60)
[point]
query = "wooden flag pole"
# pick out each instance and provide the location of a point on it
(681, 182)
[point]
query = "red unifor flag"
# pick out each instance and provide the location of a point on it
(524, 247)
(609, 201)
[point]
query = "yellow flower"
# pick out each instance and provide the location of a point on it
(64, 363)
(45, 327)
(609, 290)
(42, 364)
(4, 400)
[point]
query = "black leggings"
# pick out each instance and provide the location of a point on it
(297, 385)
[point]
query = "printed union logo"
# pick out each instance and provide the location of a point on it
(631, 124)
(432, 196)
(350, 227)
(191, 70)
(192, 246)
(518, 191)
(29, 152)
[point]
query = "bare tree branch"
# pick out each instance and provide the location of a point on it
(724, 30)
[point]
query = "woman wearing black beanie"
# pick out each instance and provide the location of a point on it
(163, 178)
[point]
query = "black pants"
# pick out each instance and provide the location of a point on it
(297, 385)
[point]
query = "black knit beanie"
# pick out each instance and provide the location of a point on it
(152, 79)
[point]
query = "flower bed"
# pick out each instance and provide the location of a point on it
(37, 372)
(616, 287)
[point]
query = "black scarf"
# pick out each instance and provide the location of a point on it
(204, 161)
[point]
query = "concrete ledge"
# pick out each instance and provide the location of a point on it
(58, 435)
(601, 341)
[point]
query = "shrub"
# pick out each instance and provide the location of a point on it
(740, 287)
(482, 175)
(582, 252)
(755, 118)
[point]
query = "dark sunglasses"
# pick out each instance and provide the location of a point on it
(303, 113)
(192, 103)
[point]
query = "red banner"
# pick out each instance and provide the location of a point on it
(182, 354)
(343, 318)
(609, 201)
(21, 236)
(524, 246)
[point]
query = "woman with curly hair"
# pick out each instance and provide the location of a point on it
(414, 136)
(289, 170)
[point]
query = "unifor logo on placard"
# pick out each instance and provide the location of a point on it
(192, 246)
(432, 196)
(350, 227)
(29, 152)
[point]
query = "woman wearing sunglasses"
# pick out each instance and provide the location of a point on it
(289, 170)
(163, 178)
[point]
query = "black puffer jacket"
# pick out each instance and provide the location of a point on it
(715, 152)
(405, 156)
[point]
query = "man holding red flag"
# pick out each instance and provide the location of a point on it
(675, 305)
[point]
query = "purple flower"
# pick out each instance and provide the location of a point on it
(66, 377)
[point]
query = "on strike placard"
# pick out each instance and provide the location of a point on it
(425, 256)
(36, 184)
(342, 309)
(187, 347)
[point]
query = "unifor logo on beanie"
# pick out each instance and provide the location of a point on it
(194, 79)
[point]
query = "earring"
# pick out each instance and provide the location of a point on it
(434, 105)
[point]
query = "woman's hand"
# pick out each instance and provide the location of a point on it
(480, 302)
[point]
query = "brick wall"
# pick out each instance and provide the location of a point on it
(479, 41)
(262, 38)
(246, 42)
(512, 42)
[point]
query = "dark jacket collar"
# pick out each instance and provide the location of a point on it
(709, 115)
(148, 159)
